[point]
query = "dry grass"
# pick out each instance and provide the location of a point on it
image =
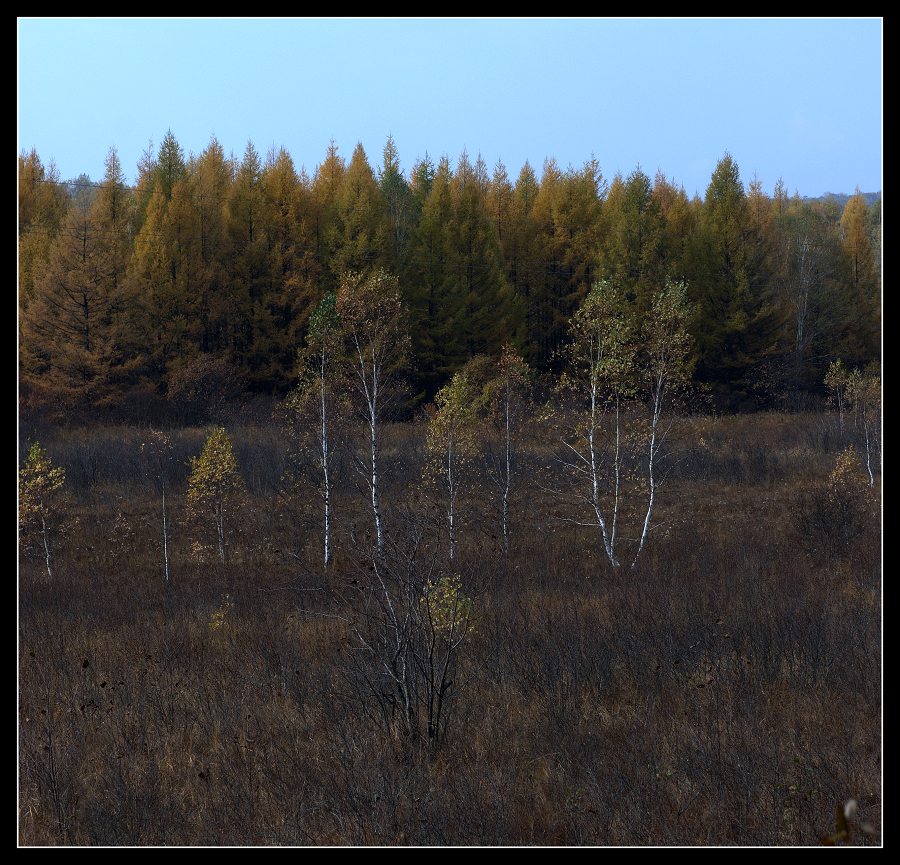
(725, 692)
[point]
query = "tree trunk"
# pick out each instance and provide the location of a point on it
(326, 481)
(595, 481)
(220, 527)
(452, 491)
(376, 505)
(165, 537)
(46, 546)
(507, 483)
(657, 405)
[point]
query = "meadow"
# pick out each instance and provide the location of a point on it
(725, 690)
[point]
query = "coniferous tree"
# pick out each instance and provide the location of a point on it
(399, 204)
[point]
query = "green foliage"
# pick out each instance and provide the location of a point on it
(836, 377)
(447, 609)
(451, 437)
(667, 338)
(216, 259)
(214, 474)
(39, 483)
(602, 340)
(214, 483)
(374, 322)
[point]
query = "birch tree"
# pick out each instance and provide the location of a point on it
(836, 381)
(374, 322)
(316, 398)
(602, 366)
(451, 444)
(864, 394)
(39, 483)
(157, 451)
(215, 483)
(666, 348)
(506, 394)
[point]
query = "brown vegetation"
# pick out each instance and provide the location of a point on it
(725, 691)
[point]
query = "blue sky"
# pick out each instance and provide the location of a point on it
(797, 99)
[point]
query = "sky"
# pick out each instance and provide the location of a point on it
(796, 99)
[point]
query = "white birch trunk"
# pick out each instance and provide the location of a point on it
(376, 505)
(46, 546)
(507, 480)
(220, 528)
(618, 475)
(326, 481)
(452, 490)
(165, 537)
(595, 476)
(868, 448)
(654, 423)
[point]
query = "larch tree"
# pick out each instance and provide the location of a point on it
(808, 270)
(249, 321)
(70, 326)
(169, 166)
(325, 189)
(491, 313)
(215, 483)
(211, 176)
(39, 484)
(42, 208)
(864, 296)
(435, 311)
(632, 248)
(399, 202)
(374, 323)
(293, 286)
(567, 213)
(361, 228)
(522, 252)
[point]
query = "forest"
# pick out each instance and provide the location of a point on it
(437, 508)
(204, 275)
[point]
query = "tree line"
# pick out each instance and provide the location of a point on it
(203, 277)
(602, 435)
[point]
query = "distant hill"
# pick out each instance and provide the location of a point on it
(841, 198)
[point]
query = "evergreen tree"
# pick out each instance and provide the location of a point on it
(360, 233)
(399, 203)
(72, 355)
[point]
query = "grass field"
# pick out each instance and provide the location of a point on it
(727, 690)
